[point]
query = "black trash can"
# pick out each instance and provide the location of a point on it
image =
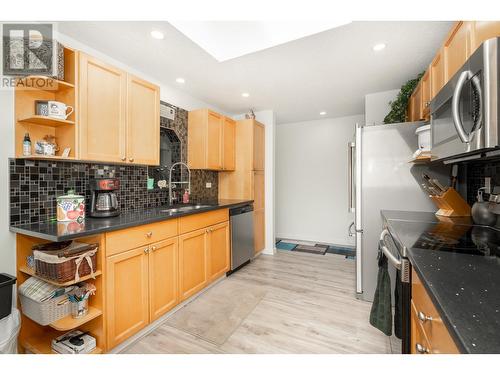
(6, 282)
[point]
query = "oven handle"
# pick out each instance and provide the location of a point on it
(455, 106)
(394, 261)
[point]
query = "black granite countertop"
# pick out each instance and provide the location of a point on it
(463, 287)
(57, 231)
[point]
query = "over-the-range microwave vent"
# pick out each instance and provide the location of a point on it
(167, 111)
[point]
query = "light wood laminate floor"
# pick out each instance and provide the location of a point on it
(306, 305)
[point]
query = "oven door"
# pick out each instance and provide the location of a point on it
(457, 114)
(391, 250)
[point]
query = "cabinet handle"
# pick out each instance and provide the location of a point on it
(153, 248)
(149, 234)
(124, 158)
(423, 318)
(421, 349)
(131, 160)
(146, 250)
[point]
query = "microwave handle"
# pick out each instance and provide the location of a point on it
(455, 106)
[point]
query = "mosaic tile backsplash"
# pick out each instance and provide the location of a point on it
(35, 184)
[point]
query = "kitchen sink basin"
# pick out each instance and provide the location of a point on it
(185, 208)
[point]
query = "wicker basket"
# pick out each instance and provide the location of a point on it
(45, 313)
(66, 268)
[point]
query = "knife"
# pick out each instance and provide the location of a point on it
(439, 185)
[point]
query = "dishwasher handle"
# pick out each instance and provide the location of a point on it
(241, 210)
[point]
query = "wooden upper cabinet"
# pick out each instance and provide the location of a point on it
(163, 277)
(457, 48)
(102, 122)
(425, 94)
(258, 146)
(417, 103)
(119, 115)
(437, 73)
(483, 30)
(218, 250)
(228, 145)
(143, 122)
(127, 281)
(192, 263)
(210, 140)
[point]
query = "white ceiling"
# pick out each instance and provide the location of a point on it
(330, 71)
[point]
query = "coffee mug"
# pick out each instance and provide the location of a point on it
(59, 110)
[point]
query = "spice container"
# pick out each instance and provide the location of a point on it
(71, 207)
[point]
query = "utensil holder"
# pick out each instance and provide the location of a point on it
(79, 309)
(451, 204)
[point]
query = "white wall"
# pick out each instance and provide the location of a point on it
(377, 106)
(312, 178)
(7, 239)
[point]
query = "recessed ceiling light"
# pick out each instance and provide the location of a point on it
(245, 94)
(322, 113)
(379, 47)
(157, 34)
(180, 80)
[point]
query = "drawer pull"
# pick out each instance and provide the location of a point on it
(421, 349)
(153, 248)
(424, 318)
(131, 160)
(149, 234)
(146, 250)
(123, 158)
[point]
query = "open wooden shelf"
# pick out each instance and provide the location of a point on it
(68, 323)
(43, 344)
(421, 160)
(31, 272)
(45, 83)
(46, 121)
(46, 157)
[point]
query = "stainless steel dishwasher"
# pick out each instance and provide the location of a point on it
(242, 241)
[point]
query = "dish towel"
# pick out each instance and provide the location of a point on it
(381, 312)
(398, 306)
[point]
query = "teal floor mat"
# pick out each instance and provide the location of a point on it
(285, 245)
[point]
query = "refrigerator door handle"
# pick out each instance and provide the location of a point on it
(350, 179)
(349, 231)
(358, 226)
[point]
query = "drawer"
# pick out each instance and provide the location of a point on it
(430, 320)
(206, 219)
(419, 342)
(130, 238)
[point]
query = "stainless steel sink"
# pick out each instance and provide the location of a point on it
(185, 208)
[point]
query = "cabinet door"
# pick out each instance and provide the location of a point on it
(163, 277)
(218, 251)
(258, 147)
(417, 103)
(484, 30)
(102, 111)
(228, 145)
(127, 294)
(418, 340)
(143, 122)
(426, 94)
(259, 230)
(457, 48)
(258, 190)
(214, 141)
(437, 74)
(192, 262)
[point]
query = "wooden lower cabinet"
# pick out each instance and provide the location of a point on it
(192, 263)
(219, 257)
(259, 230)
(163, 274)
(427, 328)
(127, 294)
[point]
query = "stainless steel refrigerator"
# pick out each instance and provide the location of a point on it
(381, 178)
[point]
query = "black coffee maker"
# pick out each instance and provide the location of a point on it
(104, 201)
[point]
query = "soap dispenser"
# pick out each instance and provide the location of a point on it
(480, 212)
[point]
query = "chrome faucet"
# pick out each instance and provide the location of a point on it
(188, 182)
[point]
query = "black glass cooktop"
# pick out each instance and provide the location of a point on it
(461, 239)
(443, 236)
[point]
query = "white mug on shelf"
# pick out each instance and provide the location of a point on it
(59, 109)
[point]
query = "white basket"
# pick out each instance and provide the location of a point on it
(45, 313)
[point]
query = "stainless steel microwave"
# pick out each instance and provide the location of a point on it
(465, 113)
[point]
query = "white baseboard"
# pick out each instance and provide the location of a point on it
(331, 241)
